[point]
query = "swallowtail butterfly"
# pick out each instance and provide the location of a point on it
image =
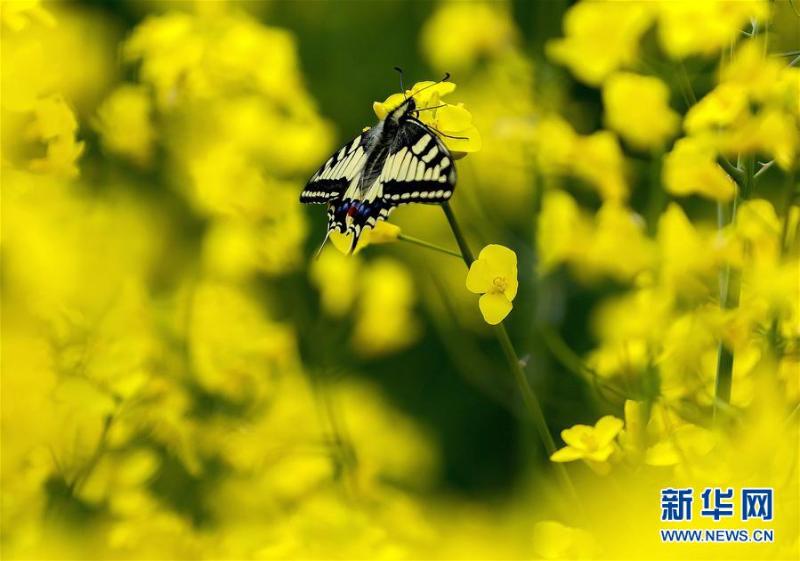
(398, 161)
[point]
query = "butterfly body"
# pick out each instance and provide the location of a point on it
(398, 161)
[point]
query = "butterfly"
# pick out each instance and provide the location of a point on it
(398, 161)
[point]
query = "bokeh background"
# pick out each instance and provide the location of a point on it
(181, 379)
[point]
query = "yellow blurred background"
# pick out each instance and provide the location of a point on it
(181, 379)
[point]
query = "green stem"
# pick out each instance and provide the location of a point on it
(528, 395)
(466, 253)
(730, 285)
(428, 245)
(736, 174)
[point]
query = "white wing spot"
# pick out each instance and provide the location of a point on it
(431, 154)
(355, 144)
(404, 166)
(445, 162)
(415, 194)
(421, 144)
(420, 171)
(439, 193)
(447, 194)
(442, 179)
(428, 173)
(398, 159)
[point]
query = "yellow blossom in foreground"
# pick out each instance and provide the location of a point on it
(553, 540)
(637, 107)
(592, 49)
(460, 33)
(383, 232)
(592, 444)
(123, 122)
(494, 275)
(450, 120)
(691, 168)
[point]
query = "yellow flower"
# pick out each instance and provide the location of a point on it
(55, 124)
(596, 159)
(554, 540)
(337, 278)
(562, 229)
(450, 120)
(383, 232)
(494, 275)
(591, 444)
(637, 107)
(687, 27)
(385, 322)
(461, 33)
(723, 106)
(124, 124)
(17, 14)
(592, 49)
(691, 168)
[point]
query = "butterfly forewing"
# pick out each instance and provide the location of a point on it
(419, 168)
(335, 176)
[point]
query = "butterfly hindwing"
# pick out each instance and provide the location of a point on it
(333, 178)
(419, 168)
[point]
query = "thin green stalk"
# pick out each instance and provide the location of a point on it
(528, 394)
(466, 252)
(428, 245)
(729, 299)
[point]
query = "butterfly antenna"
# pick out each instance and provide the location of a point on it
(402, 88)
(322, 245)
(445, 78)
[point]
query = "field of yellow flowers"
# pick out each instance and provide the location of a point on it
(607, 308)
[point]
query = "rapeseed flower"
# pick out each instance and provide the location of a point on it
(124, 122)
(596, 159)
(637, 107)
(454, 122)
(594, 444)
(591, 48)
(680, 35)
(460, 34)
(494, 275)
(691, 168)
(385, 320)
(383, 232)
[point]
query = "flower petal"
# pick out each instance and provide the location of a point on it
(576, 435)
(453, 118)
(494, 307)
(606, 429)
(479, 278)
(501, 261)
(566, 454)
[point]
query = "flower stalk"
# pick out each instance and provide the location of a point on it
(529, 397)
(730, 284)
(428, 245)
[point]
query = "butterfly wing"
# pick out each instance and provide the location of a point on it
(331, 181)
(419, 169)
